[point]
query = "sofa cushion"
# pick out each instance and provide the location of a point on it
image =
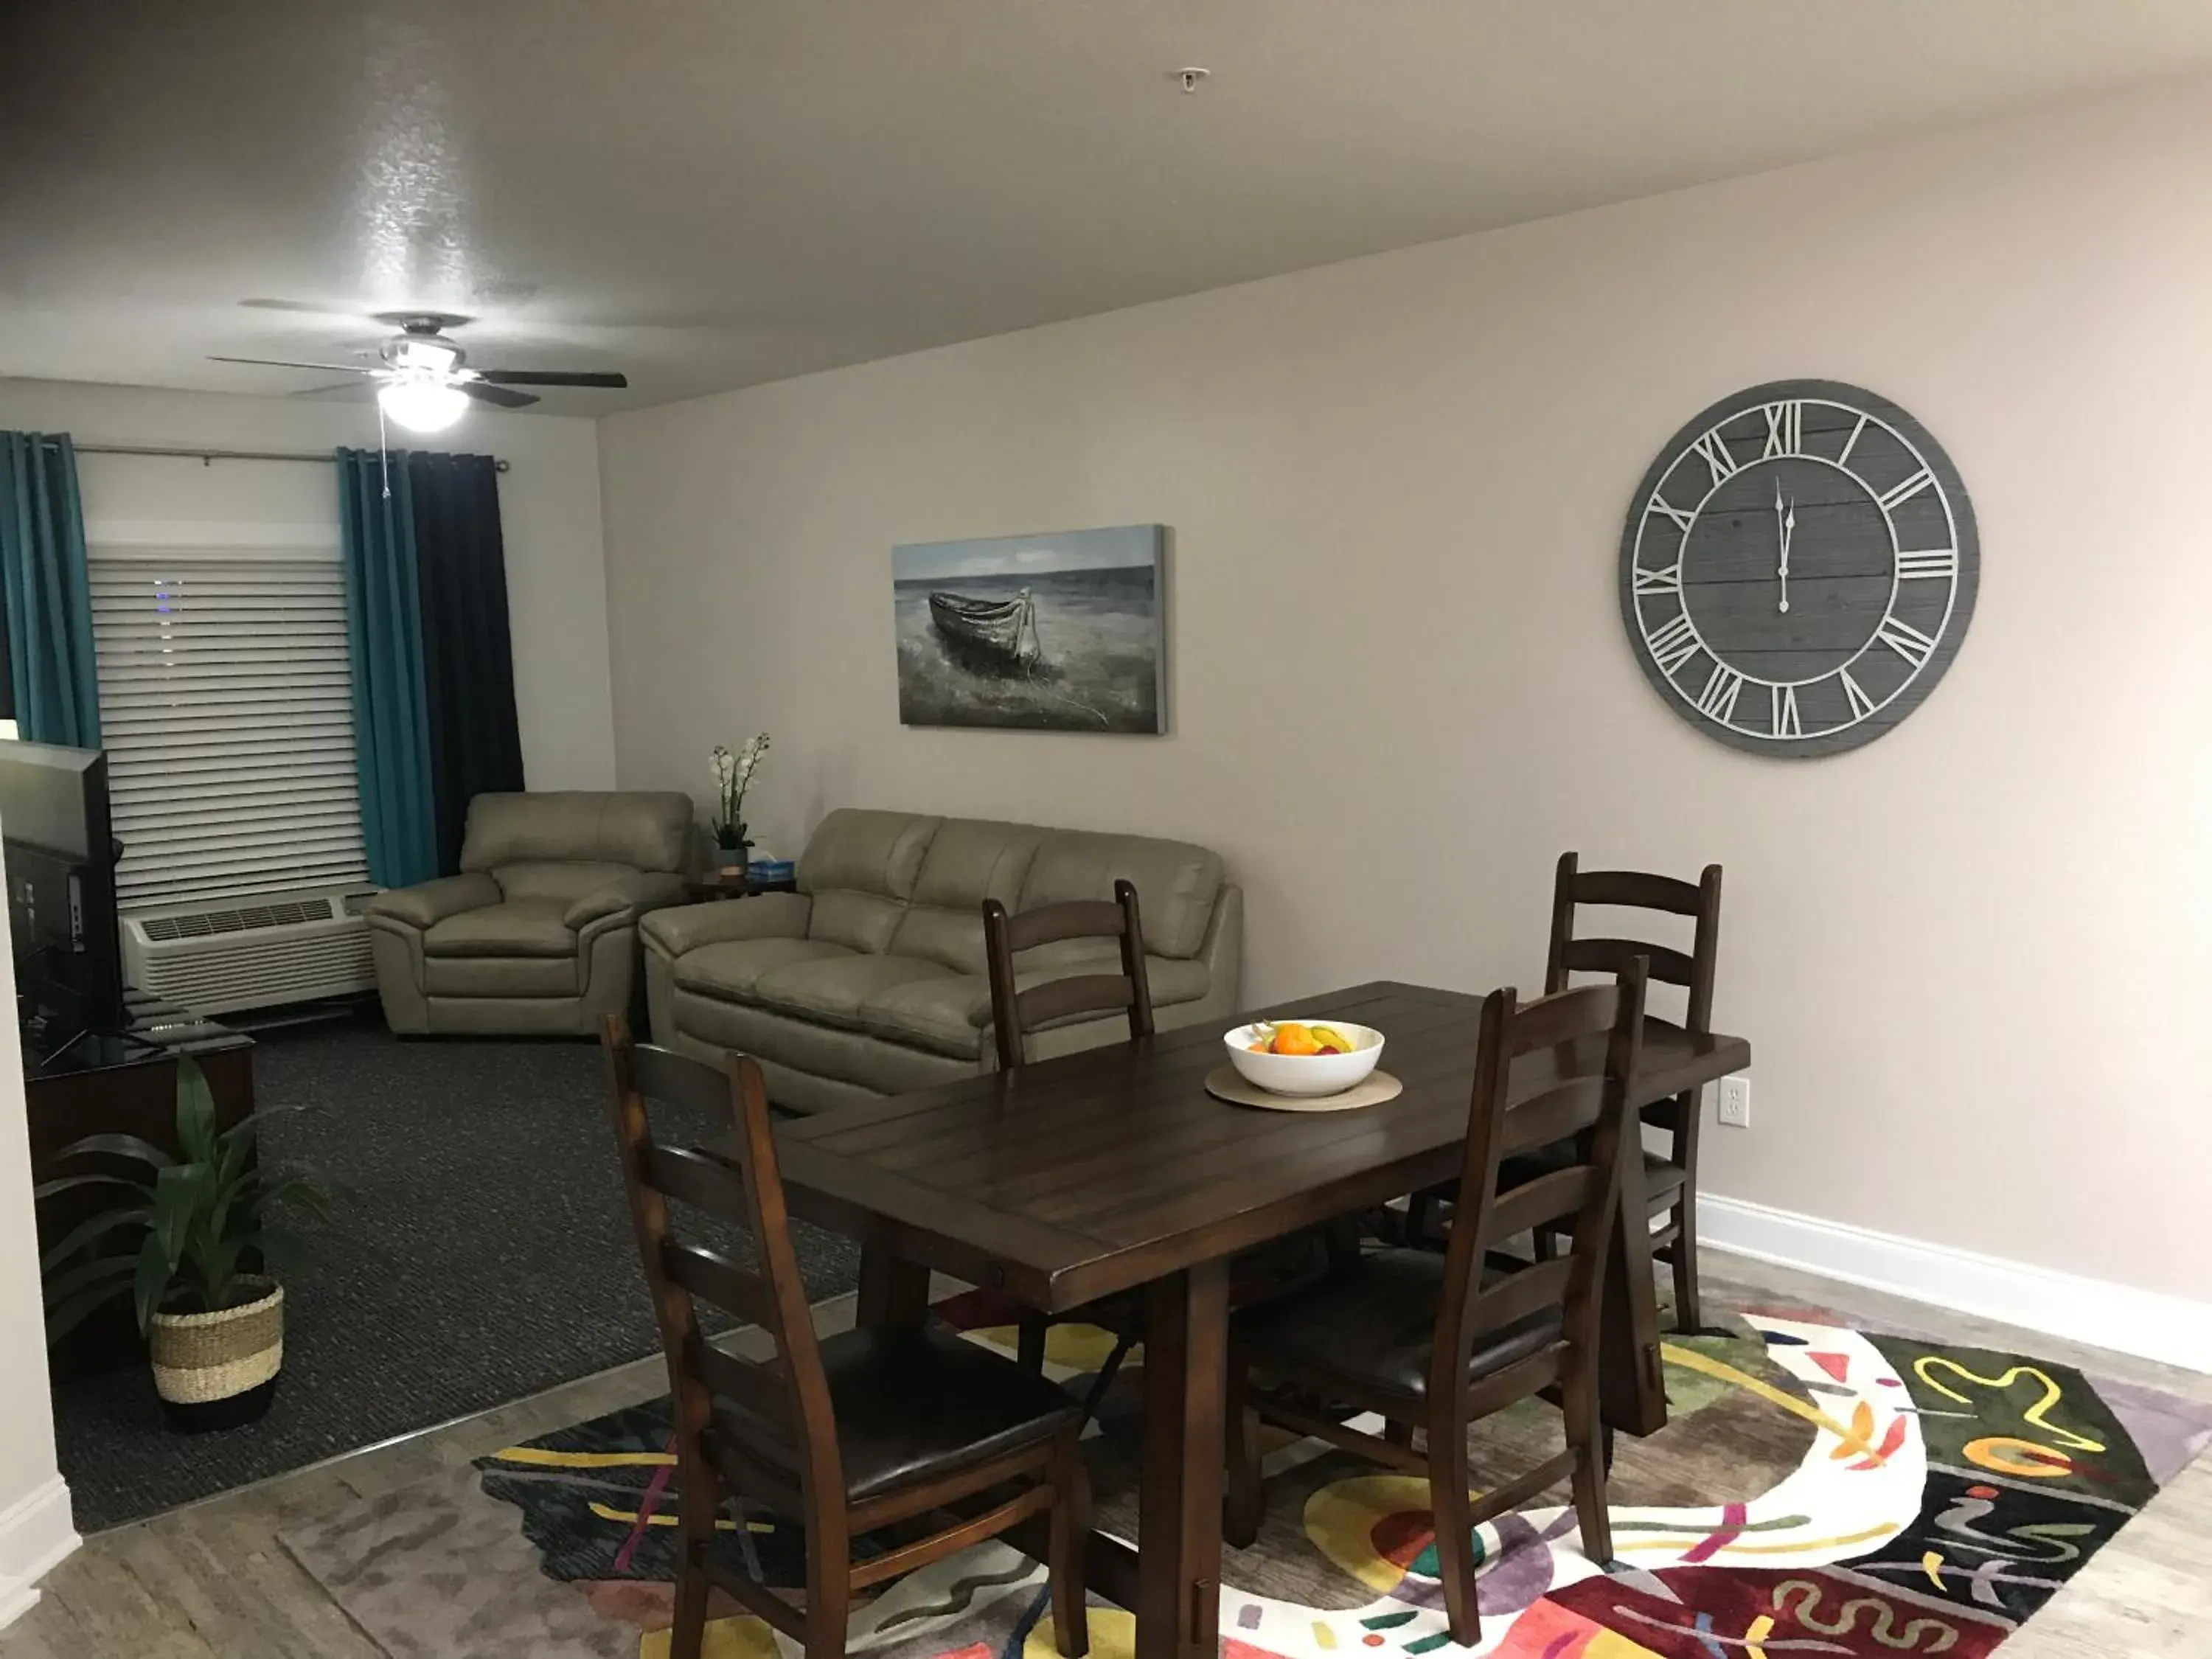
(730, 968)
(644, 829)
(554, 879)
(518, 927)
(1176, 883)
(969, 860)
(860, 866)
(835, 989)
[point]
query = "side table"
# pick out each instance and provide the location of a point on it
(735, 884)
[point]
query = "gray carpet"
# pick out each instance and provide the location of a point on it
(481, 1251)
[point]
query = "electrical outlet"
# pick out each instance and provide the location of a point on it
(1732, 1102)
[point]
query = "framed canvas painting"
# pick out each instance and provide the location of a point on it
(1064, 632)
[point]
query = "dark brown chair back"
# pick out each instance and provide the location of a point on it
(1596, 1034)
(1633, 890)
(1015, 1012)
(782, 1425)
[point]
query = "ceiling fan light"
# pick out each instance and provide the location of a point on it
(422, 402)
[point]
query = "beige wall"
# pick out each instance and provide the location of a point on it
(1972, 958)
(549, 515)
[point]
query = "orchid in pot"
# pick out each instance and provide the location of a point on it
(733, 773)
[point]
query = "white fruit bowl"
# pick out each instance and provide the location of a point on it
(1306, 1074)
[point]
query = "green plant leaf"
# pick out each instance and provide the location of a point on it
(297, 1191)
(176, 1194)
(46, 1190)
(115, 1145)
(237, 1144)
(149, 1284)
(111, 1271)
(98, 1227)
(194, 1111)
(219, 1270)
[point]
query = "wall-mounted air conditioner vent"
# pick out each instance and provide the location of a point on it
(218, 958)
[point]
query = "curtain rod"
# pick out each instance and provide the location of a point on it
(499, 465)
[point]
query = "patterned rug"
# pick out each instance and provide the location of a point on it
(1821, 1488)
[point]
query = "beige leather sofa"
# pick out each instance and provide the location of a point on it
(537, 935)
(871, 978)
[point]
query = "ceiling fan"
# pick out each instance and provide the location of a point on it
(424, 382)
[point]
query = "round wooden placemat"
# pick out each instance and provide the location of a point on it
(1227, 1083)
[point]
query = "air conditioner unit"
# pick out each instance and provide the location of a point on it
(251, 953)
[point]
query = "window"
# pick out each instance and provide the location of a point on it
(225, 707)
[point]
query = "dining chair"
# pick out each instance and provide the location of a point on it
(1670, 1177)
(1436, 1342)
(847, 1434)
(1016, 1010)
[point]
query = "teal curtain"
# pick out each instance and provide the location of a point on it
(52, 670)
(384, 625)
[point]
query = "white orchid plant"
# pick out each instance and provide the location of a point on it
(733, 773)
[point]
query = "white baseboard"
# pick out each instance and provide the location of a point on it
(2149, 1324)
(36, 1535)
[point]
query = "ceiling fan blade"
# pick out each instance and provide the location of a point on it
(498, 395)
(278, 363)
(553, 377)
(359, 388)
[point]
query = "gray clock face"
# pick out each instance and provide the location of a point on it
(1798, 567)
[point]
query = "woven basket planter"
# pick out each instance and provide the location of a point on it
(216, 1370)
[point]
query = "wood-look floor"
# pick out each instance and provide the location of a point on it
(210, 1579)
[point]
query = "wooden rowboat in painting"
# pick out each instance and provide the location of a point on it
(1002, 628)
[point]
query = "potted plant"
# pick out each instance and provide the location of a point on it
(733, 773)
(213, 1223)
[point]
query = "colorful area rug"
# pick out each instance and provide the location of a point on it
(1822, 1488)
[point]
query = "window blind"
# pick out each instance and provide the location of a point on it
(225, 707)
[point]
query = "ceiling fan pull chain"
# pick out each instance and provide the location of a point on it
(383, 450)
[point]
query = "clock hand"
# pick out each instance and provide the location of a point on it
(1783, 524)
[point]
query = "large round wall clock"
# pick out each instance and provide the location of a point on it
(1798, 567)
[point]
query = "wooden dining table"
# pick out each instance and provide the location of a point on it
(1113, 1171)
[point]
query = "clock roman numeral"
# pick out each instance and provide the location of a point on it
(1674, 644)
(1902, 493)
(1932, 561)
(1785, 429)
(1908, 642)
(1861, 704)
(1851, 443)
(1717, 700)
(1668, 580)
(1661, 505)
(1782, 712)
(1714, 450)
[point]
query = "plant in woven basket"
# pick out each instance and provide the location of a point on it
(206, 1219)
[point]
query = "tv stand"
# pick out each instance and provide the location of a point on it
(119, 1082)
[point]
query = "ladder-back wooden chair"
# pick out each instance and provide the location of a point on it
(1016, 1010)
(844, 1435)
(1670, 1178)
(1435, 1342)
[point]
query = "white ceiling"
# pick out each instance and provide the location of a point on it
(710, 193)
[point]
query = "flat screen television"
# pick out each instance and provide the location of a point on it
(59, 853)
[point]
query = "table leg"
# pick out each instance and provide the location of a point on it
(892, 1291)
(1179, 1502)
(1631, 1383)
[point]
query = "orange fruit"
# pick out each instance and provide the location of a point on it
(1295, 1040)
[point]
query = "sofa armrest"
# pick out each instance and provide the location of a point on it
(632, 895)
(429, 902)
(763, 915)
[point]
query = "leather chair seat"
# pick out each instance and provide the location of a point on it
(913, 1405)
(732, 968)
(1373, 1324)
(515, 927)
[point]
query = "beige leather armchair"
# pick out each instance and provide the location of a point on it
(537, 935)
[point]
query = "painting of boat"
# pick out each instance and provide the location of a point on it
(1058, 632)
